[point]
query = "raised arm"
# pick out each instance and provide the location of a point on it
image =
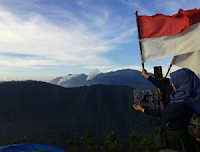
(159, 84)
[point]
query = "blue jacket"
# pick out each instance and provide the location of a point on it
(174, 116)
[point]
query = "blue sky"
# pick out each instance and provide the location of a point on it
(44, 39)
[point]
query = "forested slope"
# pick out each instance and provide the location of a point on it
(50, 114)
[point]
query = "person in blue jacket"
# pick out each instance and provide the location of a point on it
(184, 101)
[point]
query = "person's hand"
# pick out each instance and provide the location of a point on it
(138, 107)
(197, 139)
(145, 74)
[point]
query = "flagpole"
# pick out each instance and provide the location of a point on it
(140, 44)
(172, 62)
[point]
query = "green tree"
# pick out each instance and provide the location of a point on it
(147, 144)
(133, 141)
(22, 140)
(111, 144)
(74, 145)
(91, 144)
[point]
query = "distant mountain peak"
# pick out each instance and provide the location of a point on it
(67, 78)
(125, 77)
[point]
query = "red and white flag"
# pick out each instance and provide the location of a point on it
(190, 60)
(177, 35)
(163, 36)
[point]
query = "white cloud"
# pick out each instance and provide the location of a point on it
(92, 74)
(77, 43)
(172, 6)
(137, 6)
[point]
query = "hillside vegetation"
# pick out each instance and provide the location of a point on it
(51, 114)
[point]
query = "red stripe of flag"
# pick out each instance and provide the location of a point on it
(163, 25)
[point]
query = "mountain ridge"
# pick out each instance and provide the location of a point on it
(53, 114)
(126, 77)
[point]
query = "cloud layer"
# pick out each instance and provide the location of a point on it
(74, 34)
(79, 40)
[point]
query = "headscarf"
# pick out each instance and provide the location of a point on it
(187, 86)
